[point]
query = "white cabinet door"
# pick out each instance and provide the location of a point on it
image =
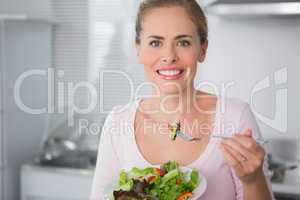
(57, 184)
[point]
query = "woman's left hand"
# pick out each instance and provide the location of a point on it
(245, 156)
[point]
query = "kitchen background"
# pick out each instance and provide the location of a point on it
(48, 48)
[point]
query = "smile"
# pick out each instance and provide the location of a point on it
(170, 74)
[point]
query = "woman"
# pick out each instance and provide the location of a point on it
(171, 38)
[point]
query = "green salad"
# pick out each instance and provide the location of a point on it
(167, 182)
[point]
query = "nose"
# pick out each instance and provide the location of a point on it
(169, 55)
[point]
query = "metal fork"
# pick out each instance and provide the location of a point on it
(190, 138)
(186, 137)
(259, 141)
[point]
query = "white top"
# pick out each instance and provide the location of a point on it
(118, 150)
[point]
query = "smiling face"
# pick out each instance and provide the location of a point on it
(170, 48)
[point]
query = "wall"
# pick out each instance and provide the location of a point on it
(32, 8)
(248, 50)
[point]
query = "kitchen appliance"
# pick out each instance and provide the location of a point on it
(284, 164)
(70, 146)
(61, 152)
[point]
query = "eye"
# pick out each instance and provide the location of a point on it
(184, 43)
(155, 43)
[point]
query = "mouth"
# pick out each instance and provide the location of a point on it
(170, 74)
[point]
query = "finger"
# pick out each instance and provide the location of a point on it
(236, 154)
(247, 142)
(248, 133)
(254, 153)
(248, 136)
(234, 144)
(230, 159)
(250, 143)
(245, 167)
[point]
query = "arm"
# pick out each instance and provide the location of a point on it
(257, 189)
(247, 160)
(108, 164)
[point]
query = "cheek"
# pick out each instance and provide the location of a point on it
(148, 57)
(190, 58)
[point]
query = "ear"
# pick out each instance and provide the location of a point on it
(202, 53)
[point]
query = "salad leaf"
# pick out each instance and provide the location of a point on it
(125, 184)
(194, 178)
(170, 166)
(174, 127)
(136, 173)
(122, 177)
(172, 174)
(148, 170)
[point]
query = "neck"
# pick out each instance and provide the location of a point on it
(174, 106)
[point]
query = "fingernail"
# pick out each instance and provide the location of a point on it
(249, 132)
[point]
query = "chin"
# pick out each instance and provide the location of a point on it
(169, 87)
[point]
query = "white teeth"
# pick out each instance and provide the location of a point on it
(169, 72)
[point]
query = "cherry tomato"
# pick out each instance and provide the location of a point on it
(185, 196)
(158, 172)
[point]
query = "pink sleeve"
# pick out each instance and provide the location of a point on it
(108, 165)
(247, 121)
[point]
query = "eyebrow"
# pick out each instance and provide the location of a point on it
(176, 38)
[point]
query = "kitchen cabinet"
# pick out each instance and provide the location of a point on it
(25, 45)
(58, 183)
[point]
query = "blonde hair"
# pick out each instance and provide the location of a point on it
(192, 8)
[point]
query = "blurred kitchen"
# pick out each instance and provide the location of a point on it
(60, 61)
